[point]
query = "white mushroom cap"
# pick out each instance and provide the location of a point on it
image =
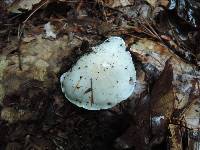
(101, 79)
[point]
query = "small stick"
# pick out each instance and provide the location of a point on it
(20, 33)
(24, 22)
(92, 94)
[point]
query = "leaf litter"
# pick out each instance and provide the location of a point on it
(163, 111)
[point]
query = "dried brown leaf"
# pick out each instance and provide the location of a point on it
(175, 138)
(22, 4)
(186, 77)
(116, 3)
(191, 115)
(162, 97)
(158, 2)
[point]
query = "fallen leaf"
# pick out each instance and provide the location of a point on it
(158, 2)
(49, 32)
(153, 56)
(162, 96)
(22, 4)
(152, 2)
(13, 115)
(191, 115)
(117, 3)
(175, 138)
(28, 39)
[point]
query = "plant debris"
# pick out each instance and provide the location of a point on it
(40, 40)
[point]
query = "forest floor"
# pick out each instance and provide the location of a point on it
(42, 39)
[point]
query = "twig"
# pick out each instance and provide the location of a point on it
(92, 94)
(20, 34)
(21, 31)
(114, 9)
(152, 29)
(24, 22)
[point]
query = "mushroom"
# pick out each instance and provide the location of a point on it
(102, 78)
